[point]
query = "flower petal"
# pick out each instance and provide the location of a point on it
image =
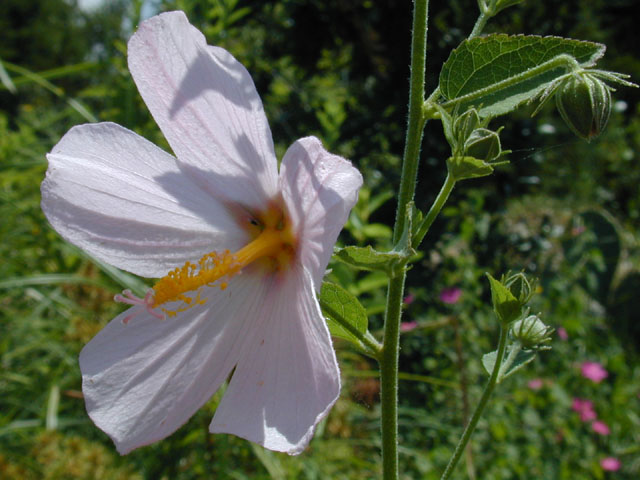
(287, 378)
(124, 200)
(143, 380)
(320, 189)
(208, 108)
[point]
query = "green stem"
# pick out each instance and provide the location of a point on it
(479, 26)
(415, 125)
(439, 202)
(389, 379)
(486, 12)
(488, 390)
(389, 357)
(513, 354)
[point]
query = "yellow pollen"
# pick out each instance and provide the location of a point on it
(275, 242)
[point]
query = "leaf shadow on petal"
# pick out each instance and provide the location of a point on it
(229, 191)
(236, 87)
(234, 84)
(232, 81)
(242, 188)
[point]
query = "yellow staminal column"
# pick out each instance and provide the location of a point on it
(275, 242)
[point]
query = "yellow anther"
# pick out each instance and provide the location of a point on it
(275, 242)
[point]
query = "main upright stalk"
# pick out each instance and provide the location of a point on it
(389, 357)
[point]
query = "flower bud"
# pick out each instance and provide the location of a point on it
(465, 124)
(532, 333)
(507, 307)
(584, 102)
(483, 144)
(520, 287)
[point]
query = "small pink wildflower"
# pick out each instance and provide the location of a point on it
(409, 299)
(535, 384)
(562, 333)
(408, 326)
(610, 464)
(593, 371)
(600, 427)
(450, 295)
(584, 408)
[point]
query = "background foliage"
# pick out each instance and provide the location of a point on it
(563, 210)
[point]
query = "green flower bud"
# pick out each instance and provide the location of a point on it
(520, 287)
(584, 102)
(507, 307)
(532, 333)
(483, 144)
(465, 124)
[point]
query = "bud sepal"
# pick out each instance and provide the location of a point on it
(584, 99)
(532, 333)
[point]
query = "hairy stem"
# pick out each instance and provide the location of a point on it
(488, 390)
(465, 393)
(486, 12)
(389, 357)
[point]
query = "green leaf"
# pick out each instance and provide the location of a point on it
(367, 258)
(270, 462)
(499, 72)
(369, 283)
(522, 358)
(502, 4)
(462, 168)
(50, 279)
(53, 405)
(377, 231)
(5, 79)
(507, 307)
(346, 317)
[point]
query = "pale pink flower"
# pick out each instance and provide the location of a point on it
(562, 333)
(600, 427)
(584, 408)
(409, 299)
(450, 295)
(610, 464)
(408, 326)
(253, 312)
(593, 371)
(535, 384)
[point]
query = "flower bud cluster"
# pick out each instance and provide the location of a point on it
(475, 150)
(510, 296)
(471, 138)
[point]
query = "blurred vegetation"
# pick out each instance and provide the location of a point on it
(563, 210)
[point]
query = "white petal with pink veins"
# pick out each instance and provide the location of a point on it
(208, 108)
(124, 200)
(320, 189)
(143, 380)
(287, 377)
